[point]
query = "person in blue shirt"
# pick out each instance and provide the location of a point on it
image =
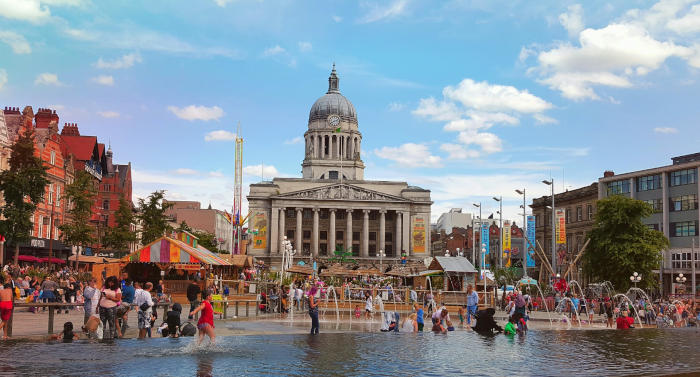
(419, 316)
(472, 303)
(574, 306)
(128, 292)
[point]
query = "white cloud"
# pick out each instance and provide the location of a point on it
(25, 10)
(47, 79)
(103, 80)
(194, 112)
(337, 18)
(614, 55)
(376, 12)
(572, 20)
(409, 155)
(185, 171)
(294, 140)
(220, 135)
(222, 3)
(125, 61)
(473, 107)
(305, 46)
(396, 106)
(108, 114)
(216, 174)
(272, 51)
(3, 77)
(17, 41)
(267, 171)
(665, 130)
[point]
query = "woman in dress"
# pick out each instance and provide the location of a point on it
(205, 325)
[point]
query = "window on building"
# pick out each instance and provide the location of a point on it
(58, 196)
(656, 204)
(307, 248)
(373, 215)
(653, 226)
(339, 236)
(53, 157)
(355, 236)
(323, 214)
(307, 234)
(333, 174)
(681, 260)
(323, 248)
(579, 213)
(684, 202)
(389, 216)
(619, 187)
(355, 250)
(291, 214)
(388, 237)
(684, 229)
(590, 212)
(340, 215)
(538, 220)
(290, 234)
(649, 182)
(372, 236)
(372, 249)
(682, 177)
(323, 235)
(568, 215)
(41, 227)
(307, 214)
(105, 204)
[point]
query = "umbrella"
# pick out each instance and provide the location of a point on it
(528, 281)
(28, 258)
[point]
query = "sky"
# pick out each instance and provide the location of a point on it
(469, 99)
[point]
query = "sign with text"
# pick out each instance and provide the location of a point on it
(260, 230)
(485, 241)
(418, 234)
(530, 241)
(561, 226)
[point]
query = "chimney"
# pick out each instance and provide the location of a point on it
(608, 173)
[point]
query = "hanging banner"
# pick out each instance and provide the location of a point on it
(418, 234)
(561, 226)
(260, 230)
(506, 239)
(485, 241)
(530, 241)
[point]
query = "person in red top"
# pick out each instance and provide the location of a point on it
(624, 322)
(206, 320)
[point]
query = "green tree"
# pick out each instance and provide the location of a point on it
(119, 237)
(621, 244)
(506, 276)
(183, 227)
(154, 222)
(342, 256)
(81, 195)
(206, 239)
(22, 187)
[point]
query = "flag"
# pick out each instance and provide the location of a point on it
(337, 130)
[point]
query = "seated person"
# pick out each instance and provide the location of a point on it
(173, 320)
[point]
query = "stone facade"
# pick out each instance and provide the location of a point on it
(332, 206)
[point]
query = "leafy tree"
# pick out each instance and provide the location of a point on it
(154, 222)
(184, 227)
(506, 276)
(206, 239)
(81, 195)
(621, 244)
(342, 256)
(119, 237)
(22, 187)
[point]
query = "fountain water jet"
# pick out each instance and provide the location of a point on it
(636, 312)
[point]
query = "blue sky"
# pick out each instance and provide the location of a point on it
(469, 99)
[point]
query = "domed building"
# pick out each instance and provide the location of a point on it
(332, 206)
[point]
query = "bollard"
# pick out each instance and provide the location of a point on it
(51, 319)
(225, 309)
(246, 308)
(257, 306)
(236, 303)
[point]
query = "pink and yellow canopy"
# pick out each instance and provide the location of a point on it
(169, 250)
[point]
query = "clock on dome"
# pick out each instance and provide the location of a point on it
(333, 120)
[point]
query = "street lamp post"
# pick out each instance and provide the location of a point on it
(473, 243)
(480, 220)
(524, 253)
(500, 230)
(635, 278)
(681, 279)
(381, 255)
(554, 236)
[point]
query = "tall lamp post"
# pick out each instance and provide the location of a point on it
(635, 278)
(479, 207)
(524, 253)
(554, 236)
(500, 230)
(680, 279)
(381, 255)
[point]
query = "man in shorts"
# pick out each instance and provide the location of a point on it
(6, 297)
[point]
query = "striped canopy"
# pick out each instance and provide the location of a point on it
(169, 250)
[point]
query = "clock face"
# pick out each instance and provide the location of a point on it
(334, 120)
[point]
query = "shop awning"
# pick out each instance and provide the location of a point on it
(304, 270)
(240, 260)
(27, 258)
(94, 259)
(170, 250)
(452, 264)
(52, 260)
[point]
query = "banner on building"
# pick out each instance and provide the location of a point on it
(485, 242)
(561, 226)
(530, 241)
(260, 230)
(506, 240)
(418, 234)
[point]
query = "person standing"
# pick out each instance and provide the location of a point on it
(414, 296)
(160, 289)
(313, 310)
(368, 305)
(206, 320)
(144, 303)
(420, 321)
(91, 296)
(472, 303)
(298, 296)
(193, 290)
(6, 305)
(110, 297)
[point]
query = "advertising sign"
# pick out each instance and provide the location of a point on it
(530, 241)
(506, 240)
(561, 226)
(418, 234)
(260, 230)
(485, 240)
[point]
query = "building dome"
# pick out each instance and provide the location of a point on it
(333, 103)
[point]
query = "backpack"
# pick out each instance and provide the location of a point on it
(188, 329)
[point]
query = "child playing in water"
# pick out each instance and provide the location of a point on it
(206, 320)
(67, 335)
(358, 312)
(462, 312)
(510, 327)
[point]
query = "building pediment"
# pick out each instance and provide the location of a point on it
(341, 192)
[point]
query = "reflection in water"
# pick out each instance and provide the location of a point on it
(561, 353)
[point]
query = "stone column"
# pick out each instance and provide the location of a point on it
(352, 148)
(406, 233)
(382, 230)
(397, 235)
(323, 146)
(282, 231)
(348, 230)
(364, 249)
(274, 235)
(298, 238)
(314, 235)
(331, 231)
